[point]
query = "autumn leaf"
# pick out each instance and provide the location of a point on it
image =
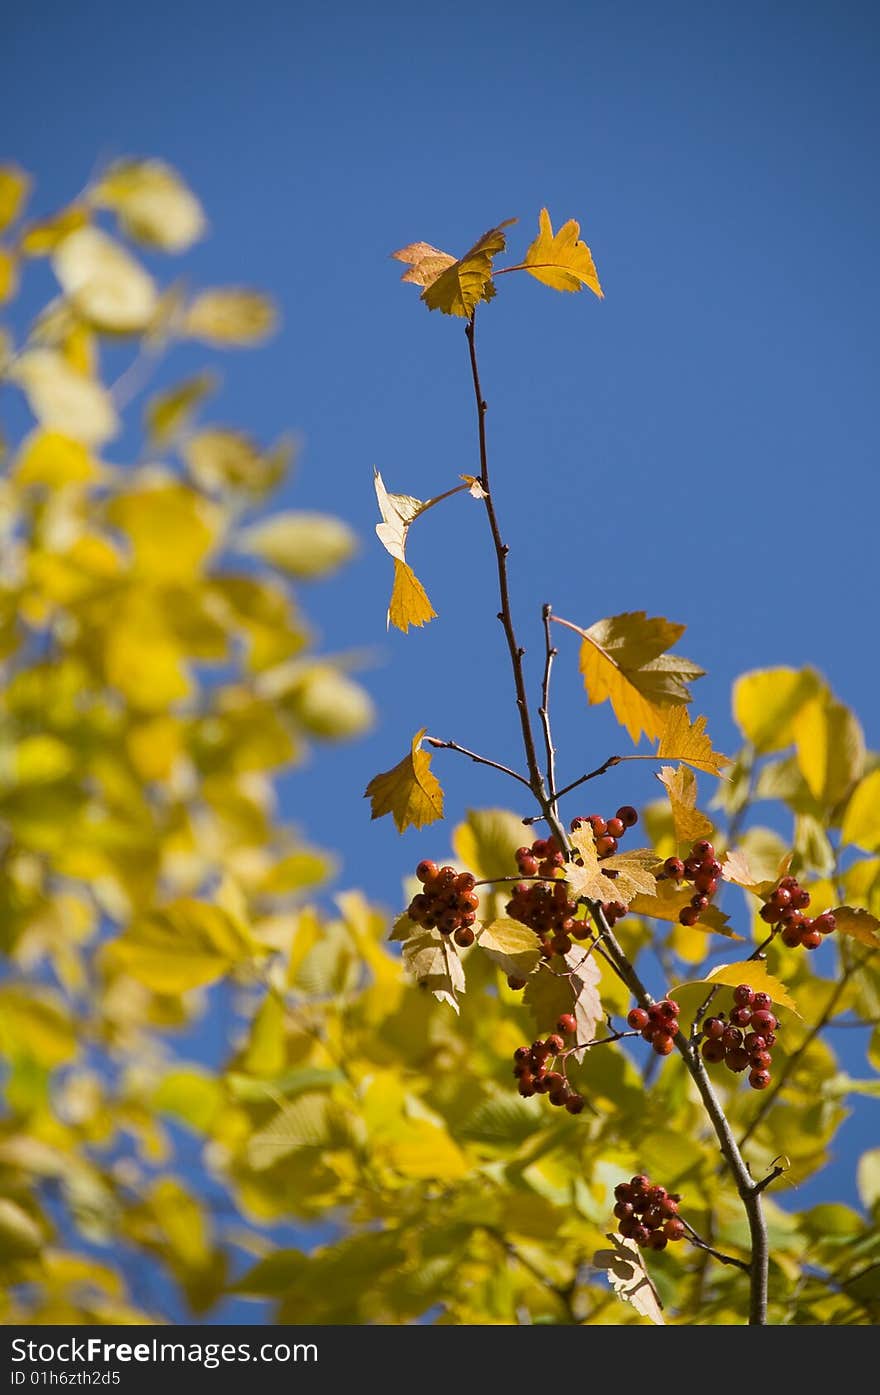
(632, 868)
(627, 1275)
(409, 603)
(687, 741)
(153, 204)
(14, 188)
(859, 924)
(624, 659)
(409, 791)
(104, 283)
(561, 260)
(549, 995)
(670, 899)
(511, 945)
(754, 973)
(434, 964)
(455, 287)
(681, 786)
(230, 315)
(737, 869)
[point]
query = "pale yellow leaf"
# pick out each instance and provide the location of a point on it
(221, 460)
(548, 995)
(153, 204)
(669, 899)
(511, 945)
(398, 512)
(859, 924)
(14, 188)
(623, 659)
(687, 741)
(634, 876)
(625, 1270)
(409, 601)
(104, 283)
(681, 786)
(462, 284)
(409, 791)
(425, 262)
(41, 238)
(754, 973)
(830, 748)
(168, 412)
(432, 960)
(766, 701)
(305, 545)
(861, 822)
(561, 260)
(64, 400)
(230, 316)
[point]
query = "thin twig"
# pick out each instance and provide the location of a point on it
(480, 760)
(544, 710)
(701, 1244)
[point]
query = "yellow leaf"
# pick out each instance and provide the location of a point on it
(8, 275)
(64, 400)
(861, 822)
(398, 512)
(230, 316)
(185, 945)
(623, 658)
(426, 263)
(462, 284)
(107, 287)
(859, 924)
(485, 844)
(304, 544)
(681, 786)
(754, 973)
(511, 945)
(426, 1151)
(48, 458)
(633, 875)
(627, 1275)
(167, 413)
(409, 602)
(39, 239)
(142, 658)
(830, 748)
(153, 204)
(409, 791)
(561, 260)
(548, 995)
(766, 701)
(154, 746)
(686, 741)
(35, 1023)
(14, 188)
(434, 963)
(171, 528)
(222, 460)
(668, 900)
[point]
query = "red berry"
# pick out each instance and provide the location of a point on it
(555, 1044)
(713, 1028)
(657, 1194)
(674, 867)
(761, 1060)
(637, 1019)
(657, 1240)
(516, 983)
(762, 1002)
(606, 845)
(791, 936)
(759, 1079)
(754, 1042)
(706, 884)
(764, 1021)
(597, 823)
(674, 1229)
(731, 1037)
(781, 897)
(769, 913)
(713, 1051)
(627, 1228)
(741, 1016)
(528, 866)
(743, 995)
(526, 1087)
(699, 902)
(662, 1043)
(825, 923)
(566, 1024)
(615, 828)
(623, 1210)
(521, 1053)
(623, 1191)
(800, 899)
(811, 939)
(702, 848)
(628, 816)
(668, 1208)
(737, 1059)
(640, 1183)
(426, 871)
(574, 1104)
(688, 915)
(669, 1009)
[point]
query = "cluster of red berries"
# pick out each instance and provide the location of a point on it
(606, 836)
(647, 1213)
(447, 902)
(703, 869)
(547, 908)
(784, 909)
(744, 1040)
(658, 1024)
(532, 1068)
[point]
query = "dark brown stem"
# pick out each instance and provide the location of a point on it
(700, 1244)
(480, 760)
(544, 710)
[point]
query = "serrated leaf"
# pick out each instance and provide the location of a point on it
(861, 822)
(462, 284)
(425, 262)
(104, 283)
(766, 701)
(561, 260)
(14, 187)
(230, 316)
(409, 601)
(633, 875)
(409, 791)
(754, 973)
(623, 659)
(303, 1123)
(549, 995)
(627, 1275)
(304, 545)
(681, 787)
(687, 741)
(511, 945)
(736, 868)
(670, 899)
(434, 963)
(153, 204)
(859, 924)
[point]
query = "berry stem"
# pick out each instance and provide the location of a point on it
(544, 710)
(440, 745)
(701, 1244)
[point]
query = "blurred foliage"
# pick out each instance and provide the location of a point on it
(158, 676)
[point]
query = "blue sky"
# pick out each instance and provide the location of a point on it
(702, 444)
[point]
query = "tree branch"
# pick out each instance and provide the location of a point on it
(544, 710)
(480, 760)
